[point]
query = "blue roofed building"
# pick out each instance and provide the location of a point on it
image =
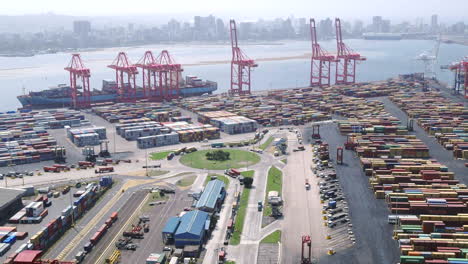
(191, 229)
(212, 197)
(170, 229)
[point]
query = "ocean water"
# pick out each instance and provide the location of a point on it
(385, 59)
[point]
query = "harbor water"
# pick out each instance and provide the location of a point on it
(283, 64)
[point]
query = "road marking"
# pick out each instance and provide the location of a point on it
(130, 219)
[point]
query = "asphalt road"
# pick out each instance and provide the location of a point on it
(374, 243)
(302, 208)
(159, 214)
(124, 214)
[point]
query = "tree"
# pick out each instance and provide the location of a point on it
(218, 155)
(248, 182)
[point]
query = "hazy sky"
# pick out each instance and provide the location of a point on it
(450, 9)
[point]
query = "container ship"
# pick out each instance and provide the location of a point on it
(59, 96)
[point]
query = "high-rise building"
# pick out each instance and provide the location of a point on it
(325, 29)
(81, 27)
(377, 24)
(385, 26)
(434, 23)
(358, 28)
(220, 29)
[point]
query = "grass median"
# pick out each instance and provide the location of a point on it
(160, 155)
(240, 217)
(272, 238)
(266, 143)
(237, 159)
(274, 183)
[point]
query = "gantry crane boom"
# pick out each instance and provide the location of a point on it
(320, 61)
(347, 58)
(78, 70)
(240, 66)
(125, 88)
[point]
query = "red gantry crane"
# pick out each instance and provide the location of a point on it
(169, 73)
(78, 70)
(126, 87)
(346, 59)
(148, 67)
(320, 61)
(240, 66)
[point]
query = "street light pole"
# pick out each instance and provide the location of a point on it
(146, 160)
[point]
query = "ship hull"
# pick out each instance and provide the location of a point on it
(40, 102)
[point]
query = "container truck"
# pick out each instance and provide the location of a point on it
(104, 170)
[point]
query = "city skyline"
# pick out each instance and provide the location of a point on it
(243, 9)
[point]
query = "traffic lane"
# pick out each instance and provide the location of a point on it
(302, 209)
(124, 214)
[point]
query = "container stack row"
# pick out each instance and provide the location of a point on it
(133, 131)
(125, 111)
(48, 235)
(439, 117)
(48, 119)
(375, 89)
(427, 200)
(171, 138)
(193, 132)
(265, 109)
(87, 136)
(24, 138)
(24, 151)
(228, 122)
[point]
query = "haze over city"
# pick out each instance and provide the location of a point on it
(452, 9)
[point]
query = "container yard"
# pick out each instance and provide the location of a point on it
(24, 136)
(86, 136)
(439, 117)
(158, 112)
(422, 194)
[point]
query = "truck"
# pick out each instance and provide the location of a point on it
(61, 167)
(66, 189)
(80, 256)
(51, 169)
(232, 172)
(170, 156)
(190, 150)
(86, 164)
(217, 145)
(104, 170)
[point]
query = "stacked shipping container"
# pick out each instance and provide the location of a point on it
(125, 111)
(86, 136)
(439, 117)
